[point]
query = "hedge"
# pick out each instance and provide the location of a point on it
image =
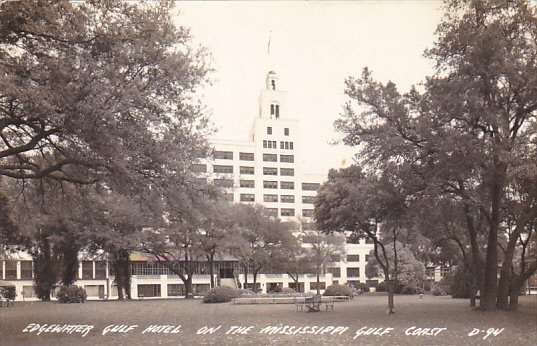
(220, 294)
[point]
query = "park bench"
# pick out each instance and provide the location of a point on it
(313, 303)
(329, 303)
(7, 301)
(299, 302)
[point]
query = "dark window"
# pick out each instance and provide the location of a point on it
(246, 170)
(223, 155)
(308, 199)
(176, 290)
(286, 145)
(271, 109)
(274, 145)
(26, 270)
(277, 111)
(269, 130)
(288, 185)
(149, 268)
(335, 258)
(247, 183)
(228, 196)
(270, 171)
(287, 199)
(100, 270)
(270, 144)
(287, 158)
(353, 258)
(273, 83)
(222, 169)
(310, 186)
(199, 168)
(11, 270)
(313, 285)
(270, 184)
(87, 269)
(223, 182)
(270, 157)
(369, 240)
(148, 290)
(264, 144)
(307, 212)
(288, 212)
(247, 197)
(270, 198)
(287, 172)
(336, 272)
(367, 258)
(272, 212)
(291, 145)
(286, 131)
(281, 145)
(246, 156)
(353, 272)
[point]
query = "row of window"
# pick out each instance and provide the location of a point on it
(267, 184)
(228, 155)
(285, 131)
(274, 158)
(26, 270)
(284, 145)
(290, 172)
(351, 272)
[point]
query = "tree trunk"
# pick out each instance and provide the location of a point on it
(389, 286)
(255, 281)
(245, 276)
(490, 286)
(188, 287)
(503, 284)
(318, 281)
(211, 269)
(513, 299)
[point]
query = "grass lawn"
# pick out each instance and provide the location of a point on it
(360, 314)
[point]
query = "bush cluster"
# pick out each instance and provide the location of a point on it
(71, 294)
(381, 287)
(8, 292)
(288, 290)
(363, 286)
(338, 290)
(244, 292)
(411, 289)
(220, 294)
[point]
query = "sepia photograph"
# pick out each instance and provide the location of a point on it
(268, 172)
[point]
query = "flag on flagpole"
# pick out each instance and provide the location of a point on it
(268, 46)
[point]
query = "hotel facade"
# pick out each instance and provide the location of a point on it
(265, 169)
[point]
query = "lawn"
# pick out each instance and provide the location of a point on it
(428, 317)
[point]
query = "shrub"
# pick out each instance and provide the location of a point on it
(338, 290)
(288, 290)
(459, 283)
(8, 292)
(363, 286)
(244, 292)
(71, 294)
(381, 287)
(437, 291)
(411, 289)
(220, 294)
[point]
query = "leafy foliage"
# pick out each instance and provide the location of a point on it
(71, 294)
(338, 290)
(220, 294)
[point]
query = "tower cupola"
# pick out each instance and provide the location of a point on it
(272, 80)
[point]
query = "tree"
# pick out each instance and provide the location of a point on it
(258, 242)
(321, 248)
(406, 271)
(366, 206)
(99, 90)
(470, 130)
(293, 259)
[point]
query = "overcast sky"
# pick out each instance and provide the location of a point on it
(314, 47)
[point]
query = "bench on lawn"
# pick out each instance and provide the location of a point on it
(9, 302)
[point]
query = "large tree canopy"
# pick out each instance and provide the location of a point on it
(469, 132)
(98, 89)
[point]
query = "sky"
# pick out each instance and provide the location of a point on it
(314, 47)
